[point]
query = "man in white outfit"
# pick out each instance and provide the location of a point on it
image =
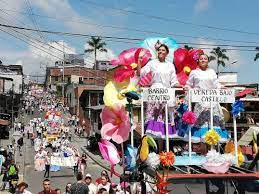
(92, 187)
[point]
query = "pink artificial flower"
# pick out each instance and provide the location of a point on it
(115, 123)
(110, 154)
(189, 118)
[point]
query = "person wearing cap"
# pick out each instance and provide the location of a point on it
(92, 187)
(21, 188)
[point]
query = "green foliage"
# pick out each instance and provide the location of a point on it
(219, 55)
(96, 44)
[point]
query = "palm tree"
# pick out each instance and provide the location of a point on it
(188, 47)
(257, 54)
(96, 44)
(219, 55)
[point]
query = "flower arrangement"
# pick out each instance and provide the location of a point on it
(189, 117)
(212, 137)
(167, 158)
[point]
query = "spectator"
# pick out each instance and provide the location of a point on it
(104, 183)
(4, 180)
(68, 189)
(58, 191)
(80, 186)
(102, 191)
(92, 187)
(105, 173)
(47, 188)
(21, 188)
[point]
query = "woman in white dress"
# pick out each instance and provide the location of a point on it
(164, 76)
(206, 78)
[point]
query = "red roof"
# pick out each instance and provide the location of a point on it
(245, 92)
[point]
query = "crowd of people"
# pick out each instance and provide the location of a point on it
(50, 132)
(86, 185)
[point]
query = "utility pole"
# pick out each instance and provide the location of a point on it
(63, 76)
(12, 107)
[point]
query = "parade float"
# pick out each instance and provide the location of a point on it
(172, 147)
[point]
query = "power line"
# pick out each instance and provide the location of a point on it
(166, 19)
(27, 42)
(133, 29)
(34, 22)
(87, 35)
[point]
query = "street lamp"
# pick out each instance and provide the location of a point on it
(233, 62)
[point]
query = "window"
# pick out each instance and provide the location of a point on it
(80, 80)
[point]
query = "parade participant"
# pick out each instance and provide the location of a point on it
(104, 183)
(92, 187)
(82, 163)
(39, 160)
(47, 165)
(80, 186)
(19, 145)
(164, 76)
(206, 78)
(47, 188)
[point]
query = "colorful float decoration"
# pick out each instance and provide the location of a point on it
(117, 124)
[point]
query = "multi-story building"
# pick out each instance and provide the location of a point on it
(11, 91)
(83, 90)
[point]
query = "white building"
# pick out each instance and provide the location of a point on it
(14, 72)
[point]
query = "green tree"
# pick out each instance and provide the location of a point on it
(188, 47)
(96, 44)
(257, 54)
(219, 55)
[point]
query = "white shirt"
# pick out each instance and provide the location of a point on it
(206, 79)
(163, 73)
(107, 186)
(92, 188)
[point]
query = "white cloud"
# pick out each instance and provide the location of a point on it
(201, 5)
(65, 9)
(102, 56)
(34, 59)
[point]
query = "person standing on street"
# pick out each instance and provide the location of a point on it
(80, 186)
(83, 164)
(92, 187)
(21, 188)
(19, 145)
(47, 165)
(47, 188)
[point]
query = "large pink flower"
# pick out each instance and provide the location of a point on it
(116, 124)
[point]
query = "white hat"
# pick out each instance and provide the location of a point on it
(88, 175)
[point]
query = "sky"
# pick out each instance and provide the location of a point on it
(190, 21)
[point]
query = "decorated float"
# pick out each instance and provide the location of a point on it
(182, 122)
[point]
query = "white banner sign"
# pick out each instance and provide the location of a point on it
(158, 94)
(213, 95)
(63, 161)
